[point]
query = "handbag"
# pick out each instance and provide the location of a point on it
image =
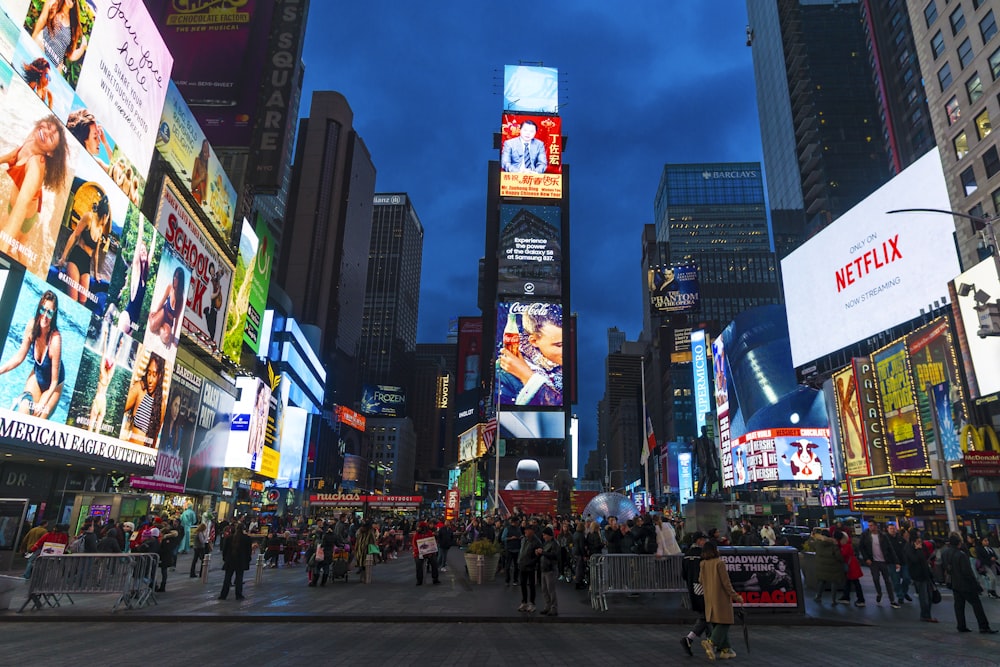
(935, 595)
(373, 550)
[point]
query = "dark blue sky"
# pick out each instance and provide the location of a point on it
(641, 84)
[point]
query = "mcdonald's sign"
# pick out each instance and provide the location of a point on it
(980, 460)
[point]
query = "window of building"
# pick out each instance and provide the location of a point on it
(996, 200)
(961, 143)
(976, 4)
(965, 52)
(930, 13)
(968, 178)
(974, 86)
(957, 19)
(991, 161)
(937, 44)
(944, 76)
(952, 110)
(988, 26)
(983, 126)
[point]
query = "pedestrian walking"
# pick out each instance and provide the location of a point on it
(719, 598)
(852, 571)
(550, 558)
(691, 571)
(965, 587)
(880, 557)
(829, 565)
(915, 559)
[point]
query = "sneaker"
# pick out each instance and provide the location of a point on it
(894, 605)
(727, 654)
(709, 648)
(523, 607)
(878, 598)
(443, 569)
(843, 600)
(530, 608)
(686, 645)
(859, 603)
(908, 598)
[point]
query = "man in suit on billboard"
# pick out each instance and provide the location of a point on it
(524, 152)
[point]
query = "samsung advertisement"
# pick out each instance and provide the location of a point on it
(530, 251)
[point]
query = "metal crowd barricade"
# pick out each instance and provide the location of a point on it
(629, 573)
(130, 576)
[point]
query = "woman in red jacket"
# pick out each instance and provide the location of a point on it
(424, 531)
(852, 569)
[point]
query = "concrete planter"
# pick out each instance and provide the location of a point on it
(481, 568)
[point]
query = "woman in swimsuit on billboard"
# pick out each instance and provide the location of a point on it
(43, 388)
(144, 408)
(84, 252)
(164, 318)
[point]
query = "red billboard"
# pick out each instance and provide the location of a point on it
(531, 156)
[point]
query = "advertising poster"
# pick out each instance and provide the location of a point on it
(146, 402)
(211, 439)
(904, 442)
(529, 354)
(673, 289)
(470, 346)
(532, 424)
(249, 424)
(765, 577)
(176, 434)
(531, 89)
(89, 240)
(383, 400)
(163, 328)
(875, 441)
(530, 251)
(41, 355)
(260, 281)
(727, 457)
(852, 433)
(239, 295)
(937, 385)
(183, 145)
(294, 432)
(699, 367)
(531, 465)
(531, 156)
(35, 186)
(211, 273)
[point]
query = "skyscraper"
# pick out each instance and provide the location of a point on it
(324, 257)
(392, 294)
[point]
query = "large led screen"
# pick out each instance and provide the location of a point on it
(530, 88)
(532, 425)
(975, 290)
(531, 156)
(937, 385)
(869, 270)
(530, 251)
(529, 354)
(783, 454)
(249, 424)
(470, 347)
(108, 59)
(903, 437)
(673, 289)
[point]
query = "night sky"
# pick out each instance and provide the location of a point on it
(641, 84)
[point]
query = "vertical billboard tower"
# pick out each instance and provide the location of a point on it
(527, 257)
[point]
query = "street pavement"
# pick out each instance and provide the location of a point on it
(392, 621)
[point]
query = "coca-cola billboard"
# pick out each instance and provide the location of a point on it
(529, 354)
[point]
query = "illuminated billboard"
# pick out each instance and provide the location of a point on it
(350, 417)
(875, 439)
(530, 88)
(981, 353)
(383, 400)
(183, 145)
(938, 386)
(530, 251)
(470, 346)
(904, 440)
(115, 66)
(852, 431)
(211, 273)
(529, 354)
(699, 367)
(531, 156)
(673, 289)
(869, 271)
(784, 454)
(248, 296)
(249, 425)
(532, 425)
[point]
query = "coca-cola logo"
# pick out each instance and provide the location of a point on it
(530, 308)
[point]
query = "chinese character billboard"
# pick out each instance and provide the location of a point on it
(531, 156)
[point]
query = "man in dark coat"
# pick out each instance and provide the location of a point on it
(691, 570)
(237, 550)
(965, 587)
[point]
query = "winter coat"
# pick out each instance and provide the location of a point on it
(236, 552)
(691, 571)
(829, 561)
(169, 541)
(666, 541)
(719, 591)
(550, 556)
(888, 550)
(853, 566)
(527, 559)
(916, 559)
(419, 535)
(963, 577)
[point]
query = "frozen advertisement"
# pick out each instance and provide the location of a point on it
(699, 367)
(239, 295)
(852, 430)
(183, 145)
(211, 440)
(249, 424)
(211, 273)
(89, 238)
(382, 400)
(470, 349)
(870, 270)
(974, 295)
(176, 434)
(783, 454)
(673, 289)
(529, 354)
(937, 386)
(904, 442)
(531, 89)
(531, 156)
(875, 439)
(530, 251)
(110, 53)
